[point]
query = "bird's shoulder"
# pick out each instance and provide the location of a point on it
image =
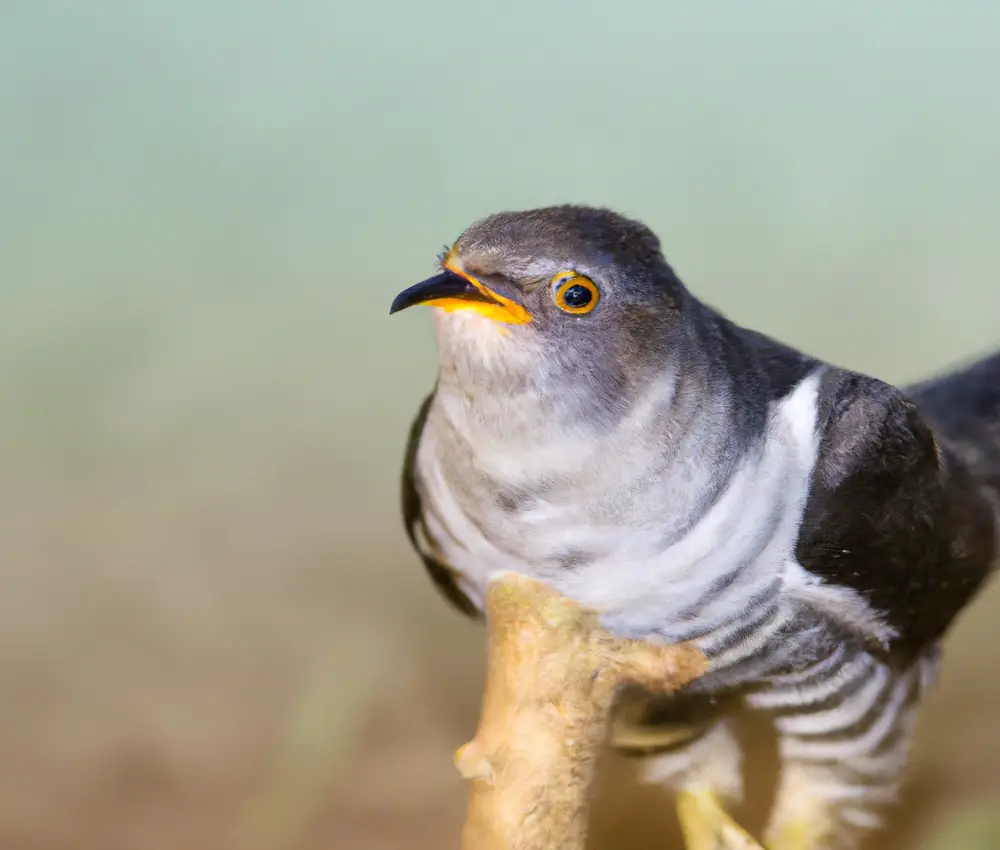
(888, 514)
(413, 516)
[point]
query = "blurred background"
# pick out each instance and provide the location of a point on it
(213, 635)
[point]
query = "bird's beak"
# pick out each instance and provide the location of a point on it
(455, 290)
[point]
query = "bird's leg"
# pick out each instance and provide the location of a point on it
(704, 767)
(706, 825)
(843, 758)
(829, 807)
(801, 819)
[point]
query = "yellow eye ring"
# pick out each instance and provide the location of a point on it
(574, 293)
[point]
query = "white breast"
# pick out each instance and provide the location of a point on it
(638, 583)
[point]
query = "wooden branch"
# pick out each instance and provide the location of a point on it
(552, 677)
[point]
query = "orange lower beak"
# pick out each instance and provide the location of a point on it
(452, 291)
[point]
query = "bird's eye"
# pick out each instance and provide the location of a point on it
(574, 293)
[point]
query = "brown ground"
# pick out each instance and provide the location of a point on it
(200, 654)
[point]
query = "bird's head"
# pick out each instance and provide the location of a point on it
(552, 294)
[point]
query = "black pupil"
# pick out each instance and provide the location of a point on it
(576, 296)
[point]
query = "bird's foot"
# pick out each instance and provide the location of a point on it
(802, 834)
(706, 826)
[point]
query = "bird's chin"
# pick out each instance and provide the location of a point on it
(471, 328)
(482, 344)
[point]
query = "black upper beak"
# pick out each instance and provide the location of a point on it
(444, 285)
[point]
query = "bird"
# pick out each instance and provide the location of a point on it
(814, 530)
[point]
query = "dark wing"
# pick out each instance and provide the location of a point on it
(413, 517)
(891, 513)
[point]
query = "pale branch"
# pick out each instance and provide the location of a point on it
(552, 676)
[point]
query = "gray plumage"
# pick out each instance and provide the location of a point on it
(814, 530)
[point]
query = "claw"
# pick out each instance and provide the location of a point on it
(799, 835)
(706, 826)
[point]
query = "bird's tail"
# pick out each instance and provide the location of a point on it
(963, 406)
